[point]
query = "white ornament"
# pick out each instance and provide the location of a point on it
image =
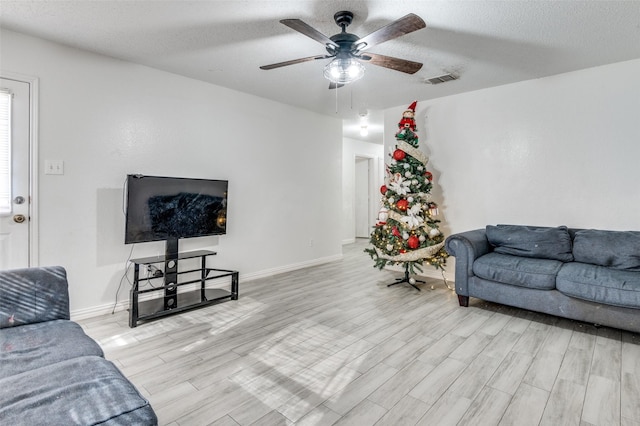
(408, 174)
(414, 182)
(434, 232)
(383, 215)
(406, 166)
(420, 168)
(413, 219)
(410, 199)
(391, 200)
(412, 281)
(405, 236)
(398, 185)
(422, 238)
(389, 247)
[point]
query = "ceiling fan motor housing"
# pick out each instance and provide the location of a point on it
(345, 42)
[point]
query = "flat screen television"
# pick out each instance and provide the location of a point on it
(160, 208)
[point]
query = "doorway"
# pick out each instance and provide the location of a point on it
(363, 183)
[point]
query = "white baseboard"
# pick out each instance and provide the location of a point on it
(80, 314)
(94, 311)
(289, 268)
(348, 241)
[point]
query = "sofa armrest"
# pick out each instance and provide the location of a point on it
(32, 295)
(466, 247)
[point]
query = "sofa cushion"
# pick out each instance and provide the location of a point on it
(32, 295)
(600, 284)
(518, 271)
(531, 241)
(80, 391)
(31, 346)
(613, 249)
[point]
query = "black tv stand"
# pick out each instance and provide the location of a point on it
(168, 280)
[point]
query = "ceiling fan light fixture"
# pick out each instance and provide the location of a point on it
(343, 70)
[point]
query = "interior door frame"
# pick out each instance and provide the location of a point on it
(374, 182)
(359, 191)
(33, 222)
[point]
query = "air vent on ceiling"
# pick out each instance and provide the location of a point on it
(441, 79)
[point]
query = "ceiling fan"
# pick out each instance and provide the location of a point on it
(347, 49)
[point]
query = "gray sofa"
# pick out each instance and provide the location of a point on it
(51, 372)
(582, 274)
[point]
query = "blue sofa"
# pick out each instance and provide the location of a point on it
(583, 274)
(51, 372)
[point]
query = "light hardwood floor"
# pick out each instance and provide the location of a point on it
(332, 344)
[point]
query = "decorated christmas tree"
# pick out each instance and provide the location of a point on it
(407, 232)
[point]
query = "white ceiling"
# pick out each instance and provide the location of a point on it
(485, 43)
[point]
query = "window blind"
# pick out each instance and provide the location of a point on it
(5, 151)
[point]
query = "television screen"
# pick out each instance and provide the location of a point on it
(164, 208)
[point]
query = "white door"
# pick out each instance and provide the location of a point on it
(14, 179)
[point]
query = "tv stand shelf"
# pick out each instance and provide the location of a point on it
(168, 281)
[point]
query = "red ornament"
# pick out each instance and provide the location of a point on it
(428, 175)
(402, 204)
(399, 154)
(395, 232)
(383, 189)
(413, 242)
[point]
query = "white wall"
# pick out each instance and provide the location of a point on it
(562, 150)
(353, 148)
(105, 118)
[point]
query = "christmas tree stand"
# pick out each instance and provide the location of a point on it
(406, 279)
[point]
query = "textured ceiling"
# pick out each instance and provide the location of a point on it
(485, 43)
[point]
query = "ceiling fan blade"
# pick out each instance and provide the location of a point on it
(397, 64)
(293, 62)
(333, 85)
(309, 31)
(405, 25)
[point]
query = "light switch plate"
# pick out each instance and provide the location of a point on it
(53, 167)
